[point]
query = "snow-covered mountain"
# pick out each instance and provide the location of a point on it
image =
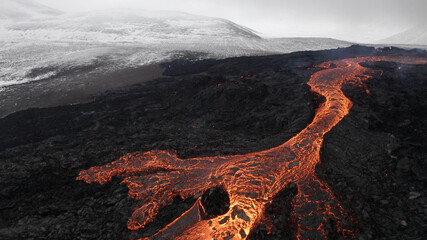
(416, 35)
(125, 25)
(37, 42)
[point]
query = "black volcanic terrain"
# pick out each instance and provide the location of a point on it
(374, 159)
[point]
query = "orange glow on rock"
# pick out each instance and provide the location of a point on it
(251, 180)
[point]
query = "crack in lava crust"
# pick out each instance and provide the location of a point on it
(251, 180)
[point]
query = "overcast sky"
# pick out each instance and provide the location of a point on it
(360, 21)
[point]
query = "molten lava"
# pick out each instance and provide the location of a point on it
(251, 180)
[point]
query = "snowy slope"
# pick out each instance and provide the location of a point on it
(43, 43)
(25, 9)
(126, 25)
(416, 35)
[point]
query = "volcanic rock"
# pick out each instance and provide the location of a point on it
(206, 108)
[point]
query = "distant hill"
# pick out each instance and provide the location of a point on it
(127, 25)
(416, 35)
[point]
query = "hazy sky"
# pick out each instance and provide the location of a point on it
(361, 20)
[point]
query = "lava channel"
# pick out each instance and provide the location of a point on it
(251, 180)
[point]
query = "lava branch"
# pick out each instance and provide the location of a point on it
(251, 180)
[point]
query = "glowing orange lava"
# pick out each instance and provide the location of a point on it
(251, 180)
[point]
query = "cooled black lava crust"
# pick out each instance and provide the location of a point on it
(374, 159)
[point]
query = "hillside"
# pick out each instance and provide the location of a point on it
(25, 9)
(40, 43)
(416, 35)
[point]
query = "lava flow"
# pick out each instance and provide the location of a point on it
(251, 180)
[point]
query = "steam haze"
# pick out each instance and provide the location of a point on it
(359, 21)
